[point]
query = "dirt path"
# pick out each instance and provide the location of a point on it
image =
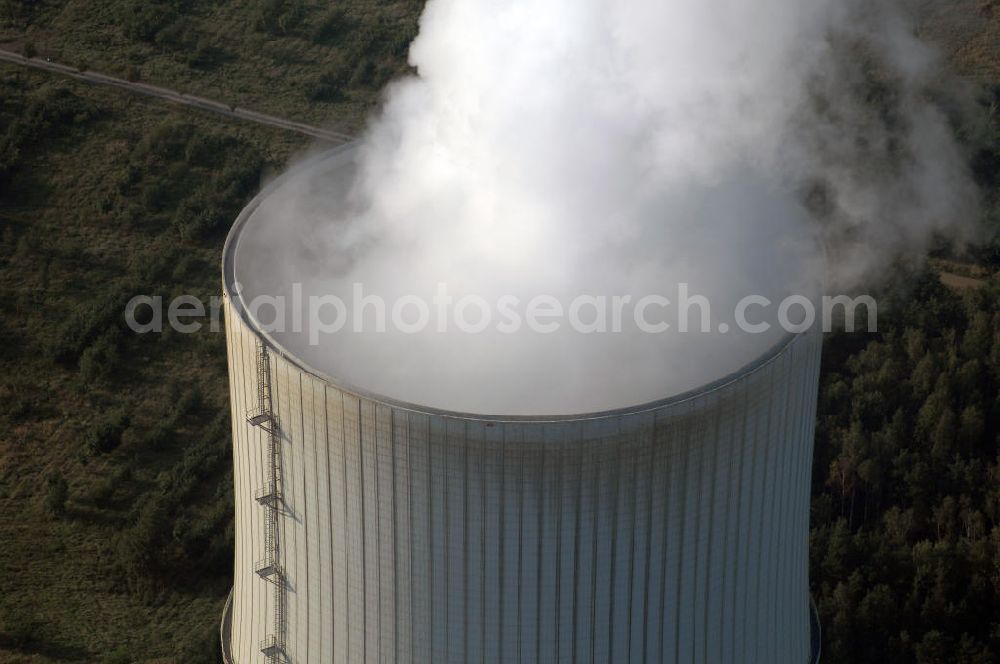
(960, 283)
(175, 97)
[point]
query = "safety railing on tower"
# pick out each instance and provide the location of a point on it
(269, 497)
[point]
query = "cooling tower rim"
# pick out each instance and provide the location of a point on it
(235, 298)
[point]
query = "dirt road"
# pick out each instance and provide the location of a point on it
(175, 97)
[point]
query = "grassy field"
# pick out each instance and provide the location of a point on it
(87, 220)
(315, 61)
(115, 478)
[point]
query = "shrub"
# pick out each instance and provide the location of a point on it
(143, 20)
(189, 402)
(22, 629)
(156, 269)
(208, 150)
(178, 34)
(119, 655)
(167, 142)
(278, 17)
(198, 217)
(142, 549)
(56, 494)
(48, 110)
(328, 86)
(206, 649)
(106, 435)
(100, 360)
(204, 55)
(159, 437)
(185, 265)
(364, 74)
(86, 324)
(332, 26)
(241, 176)
(103, 492)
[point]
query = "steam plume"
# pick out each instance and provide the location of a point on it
(602, 147)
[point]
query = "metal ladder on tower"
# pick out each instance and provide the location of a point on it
(269, 497)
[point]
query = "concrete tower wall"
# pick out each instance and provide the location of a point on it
(674, 533)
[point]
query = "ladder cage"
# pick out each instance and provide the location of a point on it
(269, 497)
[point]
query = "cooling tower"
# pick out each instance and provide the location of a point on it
(372, 530)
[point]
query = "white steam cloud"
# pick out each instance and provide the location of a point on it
(604, 147)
